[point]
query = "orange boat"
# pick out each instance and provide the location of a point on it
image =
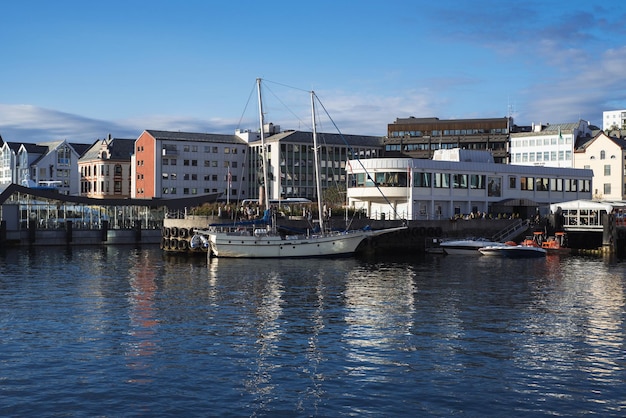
(555, 244)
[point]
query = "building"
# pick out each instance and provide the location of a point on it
(182, 164)
(291, 161)
(460, 184)
(35, 165)
(549, 145)
(613, 120)
(606, 157)
(105, 169)
(421, 137)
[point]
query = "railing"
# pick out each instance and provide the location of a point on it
(511, 231)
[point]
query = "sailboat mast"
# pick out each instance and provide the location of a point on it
(318, 184)
(266, 193)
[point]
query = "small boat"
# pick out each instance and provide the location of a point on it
(556, 244)
(468, 246)
(514, 251)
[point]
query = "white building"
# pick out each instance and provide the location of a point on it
(291, 161)
(548, 145)
(606, 157)
(442, 189)
(30, 164)
(613, 120)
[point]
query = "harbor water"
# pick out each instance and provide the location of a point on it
(133, 332)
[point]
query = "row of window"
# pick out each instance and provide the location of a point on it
(194, 163)
(492, 184)
(100, 187)
(209, 149)
(541, 156)
(442, 145)
(448, 132)
(194, 177)
(194, 191)
(515, 143)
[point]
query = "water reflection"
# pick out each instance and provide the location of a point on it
(143, 316)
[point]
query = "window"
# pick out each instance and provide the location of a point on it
(422, 180)
(460, 181)
(607, 188)
(512, 182)
(607, 169)
(602, 155)
(441, 180)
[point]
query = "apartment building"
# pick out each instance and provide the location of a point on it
(183, 164)
(291, 162)
(549, 145)
(105, 168)
(613, 120)
(49, 163)
(421, 137)
(606, 157)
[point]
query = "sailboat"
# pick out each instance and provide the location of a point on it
(260, 239)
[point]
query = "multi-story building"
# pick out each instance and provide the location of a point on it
(421, 137)
(549, 145)
(460, 183)
(182, 164)
(291, 166)
(105, 170)
(42, 164)
(613, 120)
(606, 157)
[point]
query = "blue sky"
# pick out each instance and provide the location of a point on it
(78, 70)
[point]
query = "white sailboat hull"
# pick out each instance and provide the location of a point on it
(233, 245)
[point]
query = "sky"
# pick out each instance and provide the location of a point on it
(80, 70)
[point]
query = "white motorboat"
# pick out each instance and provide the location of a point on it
(468, 246)
(514, 251)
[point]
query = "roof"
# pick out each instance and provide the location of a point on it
(301, 137)
(179, 203)
(191, 136)
(120, 149)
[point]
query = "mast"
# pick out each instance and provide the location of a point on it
(318, 184)
(266, 193)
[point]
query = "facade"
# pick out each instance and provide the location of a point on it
(105, 169)
(183, 164)
(421, 137)
(606, 157)
(35, 165)
(549, 145)
(8, 162)
(291, 161)
(420, 189)
(614, 120)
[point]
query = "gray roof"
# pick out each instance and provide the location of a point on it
(199, 137)
(120, 148)
(300, 137)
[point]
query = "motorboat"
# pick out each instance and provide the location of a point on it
(514, 251)
(467, 246)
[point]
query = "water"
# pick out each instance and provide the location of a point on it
(121, 332)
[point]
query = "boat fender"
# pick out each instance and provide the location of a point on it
(183, 232)
(166, 232)
(182, 244)
(430, 232)
(438, 231)
(174, 232)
